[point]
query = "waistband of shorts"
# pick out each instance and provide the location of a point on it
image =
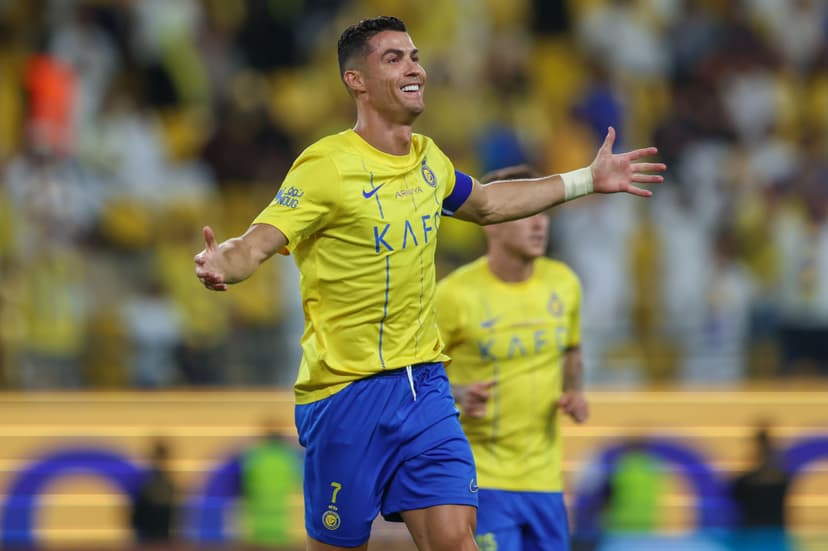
(400, 371)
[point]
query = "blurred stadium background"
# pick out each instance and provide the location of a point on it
(126, 125)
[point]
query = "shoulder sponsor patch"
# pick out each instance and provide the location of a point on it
(290, 197)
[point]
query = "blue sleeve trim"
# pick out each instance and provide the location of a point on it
(462, 190)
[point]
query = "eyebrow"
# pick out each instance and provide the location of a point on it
(397, 51)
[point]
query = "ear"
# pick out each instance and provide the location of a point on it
(353, 80)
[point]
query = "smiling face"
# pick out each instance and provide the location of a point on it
(389, 80)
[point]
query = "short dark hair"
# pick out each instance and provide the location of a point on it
(354, 39)
(516, 172)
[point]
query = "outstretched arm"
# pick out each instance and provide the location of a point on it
(609, 173)
(234, 260)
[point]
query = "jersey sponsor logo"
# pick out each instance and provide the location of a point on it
(428, 174)
(403, 193)
(390, 237)
(370, 193)
(289, 197)
(473, 488)
(507, 347)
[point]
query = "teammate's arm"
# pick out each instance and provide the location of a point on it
(234, 260)
(572, 401)
(609, 173)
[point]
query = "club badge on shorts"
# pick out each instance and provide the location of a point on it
(331, 520)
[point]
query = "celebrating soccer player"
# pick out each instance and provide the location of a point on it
(360, 212)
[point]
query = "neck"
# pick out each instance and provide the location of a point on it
(388, 137)
(510, 268)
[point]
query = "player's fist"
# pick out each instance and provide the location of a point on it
(472, 397)
(575, 405)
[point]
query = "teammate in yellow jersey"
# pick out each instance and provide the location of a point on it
(360, 212)
(511, 324)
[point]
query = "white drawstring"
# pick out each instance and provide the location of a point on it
(411, 381)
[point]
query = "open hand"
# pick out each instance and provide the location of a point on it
(613, 173)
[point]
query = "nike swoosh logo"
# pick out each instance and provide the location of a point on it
(488, 324)
(369, 194)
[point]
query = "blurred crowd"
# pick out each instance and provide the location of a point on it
(126, 125)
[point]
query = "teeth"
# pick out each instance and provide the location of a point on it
(411, 88)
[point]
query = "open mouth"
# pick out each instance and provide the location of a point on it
(411, 88)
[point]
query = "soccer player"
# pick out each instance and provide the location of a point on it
(359, 211)
(510, 322)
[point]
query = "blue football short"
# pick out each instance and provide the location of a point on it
(372, 447)
(522, 521)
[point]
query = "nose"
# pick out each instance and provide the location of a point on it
(414, 69)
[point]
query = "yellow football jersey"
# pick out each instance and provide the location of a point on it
(514, 334)
(362, 227)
